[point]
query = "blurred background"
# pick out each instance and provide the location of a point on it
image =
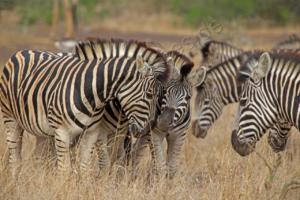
(38, 24)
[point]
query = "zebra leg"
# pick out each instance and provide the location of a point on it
(118, 151)
(14, 135)
(175, 144)
(102, 152)
(87, 144)
(117, 155)
(278, 136)
(62, 146)
(137, 153)
(158, 154)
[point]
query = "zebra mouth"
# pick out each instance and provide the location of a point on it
(135, 130)
(277, 144)
(165, 121)
(199, 131)
(242, 148)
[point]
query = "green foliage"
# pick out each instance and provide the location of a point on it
(194, 12)
(197, 11)
(33, 11)
(7, 4)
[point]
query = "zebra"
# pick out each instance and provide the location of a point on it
(214, 52)
(174, 118)
(219, 86)
(270, 95)
(205, 116)
(177, 91)
(293, 42)
(175, 106)
(65, 96)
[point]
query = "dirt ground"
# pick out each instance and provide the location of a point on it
(210, 169)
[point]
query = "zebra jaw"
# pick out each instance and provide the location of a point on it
(134, 129)
(277, 144)
(197, 131)
(241, 148)
(165, 120)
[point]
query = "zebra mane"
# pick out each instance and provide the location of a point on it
(290, 43)
(206, 51)
(287, 54)
(181, 62)
(104, 49)
(295, 52)
(243, 58)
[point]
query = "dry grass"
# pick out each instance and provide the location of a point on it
(210, 169)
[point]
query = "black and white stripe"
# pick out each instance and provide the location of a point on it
(173, 120)
(64, 96)
(270, 95)
(214, 52)
(217, 87)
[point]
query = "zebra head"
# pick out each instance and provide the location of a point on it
(175, 105)
(217, 87)
(208, 104)
(256, 111)
(139, 101)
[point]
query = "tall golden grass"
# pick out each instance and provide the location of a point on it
(210, 169)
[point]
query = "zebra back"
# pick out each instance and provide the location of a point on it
(293, 42)
(214, 52)
(104, 49)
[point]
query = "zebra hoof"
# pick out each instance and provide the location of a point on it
(197, 131)
(242, 149)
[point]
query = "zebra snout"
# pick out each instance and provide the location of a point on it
(134, 129)
(197, 130)
(277, 144)
(166, 119)
(242, 148)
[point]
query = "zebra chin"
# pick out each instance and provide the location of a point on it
(138, 131)
(165, 121)
(198, 131)
(277, 143)
(135, 129)
(241, 148)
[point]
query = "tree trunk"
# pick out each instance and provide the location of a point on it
(55, 16)
(68, 19)
(74, 14)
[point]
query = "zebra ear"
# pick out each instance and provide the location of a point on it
(263, 67)
(198, 77)
(143, 66)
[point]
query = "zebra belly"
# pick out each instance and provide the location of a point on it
(36, 124)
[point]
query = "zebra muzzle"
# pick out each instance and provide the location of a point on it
(166, 119)
(134, 129)
(277, 143)
(197, 131)
(242, 148)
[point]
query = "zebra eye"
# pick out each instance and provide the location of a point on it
(243, 102)
(149, 95)
(187, 97)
